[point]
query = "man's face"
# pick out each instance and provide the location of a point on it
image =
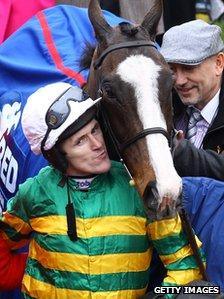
(196, 85)
(86, 151)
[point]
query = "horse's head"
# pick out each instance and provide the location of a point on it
(135, 83)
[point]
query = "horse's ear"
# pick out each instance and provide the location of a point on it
(152, 18)
(100, 25)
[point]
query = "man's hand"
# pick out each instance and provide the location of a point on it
(168, 208)
(177, 139)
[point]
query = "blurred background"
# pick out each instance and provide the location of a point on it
(14, 13)
(175, 11)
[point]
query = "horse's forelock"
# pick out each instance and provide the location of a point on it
(128, 29)
(88, 51)
(87, 56)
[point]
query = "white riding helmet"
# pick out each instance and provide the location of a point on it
(51, 110)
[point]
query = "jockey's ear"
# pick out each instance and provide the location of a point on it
(151, 20)
(100, 25)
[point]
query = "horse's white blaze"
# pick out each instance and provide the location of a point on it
(142, 73)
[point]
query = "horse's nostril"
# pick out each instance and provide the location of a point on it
(150, 195)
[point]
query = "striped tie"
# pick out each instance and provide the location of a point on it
(192, 130)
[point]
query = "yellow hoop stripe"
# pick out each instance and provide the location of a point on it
(17, 223)
(92, 227)
(96, 264)
(42, 290)
(165, 228)
(182, 277)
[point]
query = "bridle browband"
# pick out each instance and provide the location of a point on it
(129, 44)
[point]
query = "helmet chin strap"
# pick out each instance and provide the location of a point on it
(70, 213)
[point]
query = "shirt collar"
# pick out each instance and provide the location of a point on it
(210, 110)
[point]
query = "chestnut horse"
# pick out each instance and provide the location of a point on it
(135, 83)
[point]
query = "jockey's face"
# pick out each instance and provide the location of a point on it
(197, 84)
(86, 151)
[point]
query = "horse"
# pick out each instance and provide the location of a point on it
(135, 83)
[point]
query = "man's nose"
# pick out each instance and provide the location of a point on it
(95, 142)
(180, 78)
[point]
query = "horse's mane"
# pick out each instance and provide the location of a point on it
(86, 58)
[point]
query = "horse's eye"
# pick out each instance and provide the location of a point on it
(107, 91)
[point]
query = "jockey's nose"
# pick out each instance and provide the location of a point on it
(95, 142)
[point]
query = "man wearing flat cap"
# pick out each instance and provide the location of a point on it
(194, 51)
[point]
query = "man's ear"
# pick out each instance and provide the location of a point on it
(219, 63)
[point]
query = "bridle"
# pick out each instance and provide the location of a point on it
(120, 147)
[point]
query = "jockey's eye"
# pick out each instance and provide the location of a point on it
(108, 91)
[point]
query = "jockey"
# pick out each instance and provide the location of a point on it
(87, 229)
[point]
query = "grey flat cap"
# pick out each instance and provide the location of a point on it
(191, 42)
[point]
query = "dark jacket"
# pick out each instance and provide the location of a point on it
(209, 161)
